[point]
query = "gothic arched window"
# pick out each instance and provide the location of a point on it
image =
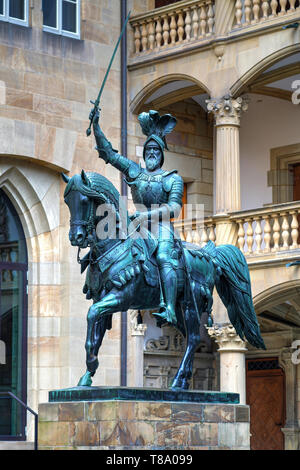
(13, 320)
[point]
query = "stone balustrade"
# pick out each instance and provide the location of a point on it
(179, 23)
(249, 12)
(197, 233)
(187, 23)
(258, 232)
(268, 230)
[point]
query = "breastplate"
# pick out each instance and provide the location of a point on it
(148, 190)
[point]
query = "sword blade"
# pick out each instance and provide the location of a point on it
(111, 60)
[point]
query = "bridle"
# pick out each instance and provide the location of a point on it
(89, 224)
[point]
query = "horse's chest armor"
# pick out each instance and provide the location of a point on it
(148, 190)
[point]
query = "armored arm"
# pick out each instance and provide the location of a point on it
(176, 186)
(108, 154)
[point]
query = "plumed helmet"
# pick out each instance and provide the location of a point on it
(156, 127)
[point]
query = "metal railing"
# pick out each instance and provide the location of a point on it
(10, 394)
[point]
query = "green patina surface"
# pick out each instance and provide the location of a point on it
(140, 394)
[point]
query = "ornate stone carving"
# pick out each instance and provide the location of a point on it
(160, 369)
(227, 110)
(172, 342)
(226, 337)
(162, 357)
(160, 344)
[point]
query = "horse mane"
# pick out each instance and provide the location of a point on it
(98, 187)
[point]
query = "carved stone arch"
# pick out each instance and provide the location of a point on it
(137, 103)
(276, 294)
(281, 346)
(240, 86)
(25, 187)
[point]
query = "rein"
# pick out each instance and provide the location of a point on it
(79, 260)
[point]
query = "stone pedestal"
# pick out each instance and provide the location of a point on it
(217, 422)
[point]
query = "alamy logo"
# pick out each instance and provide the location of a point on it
(296, 354)
(296, 94)
(157, 219)
(2, 353)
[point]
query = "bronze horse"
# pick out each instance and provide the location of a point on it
(122, 274)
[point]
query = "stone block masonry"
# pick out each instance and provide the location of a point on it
(142, 425)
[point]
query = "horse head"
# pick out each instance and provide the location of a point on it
(83, 195)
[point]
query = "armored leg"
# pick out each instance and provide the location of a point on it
(168, 279)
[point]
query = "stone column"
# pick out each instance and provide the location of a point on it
(291, 429)
(224, 16)
(136, 377)
(232, 359)
(227, 112)
(226, 231)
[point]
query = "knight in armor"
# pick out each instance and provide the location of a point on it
(152, 186)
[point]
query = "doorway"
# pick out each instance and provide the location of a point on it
(13, 320)
(265, 382)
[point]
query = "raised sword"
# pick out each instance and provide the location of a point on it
(97, 102)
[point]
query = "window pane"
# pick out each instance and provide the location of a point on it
(1, 7)
(12, 315)
(69, 16)
(50, 13)
(12, 238)
(11, 312)
(17, 9)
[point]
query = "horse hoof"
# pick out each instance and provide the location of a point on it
(185, 384)
(85, 381)
(176, 389)
(176, 385)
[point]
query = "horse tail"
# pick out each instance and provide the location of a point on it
(234, 288)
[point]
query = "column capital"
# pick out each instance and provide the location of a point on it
(285, 358)
(227, 338)
(227, 110)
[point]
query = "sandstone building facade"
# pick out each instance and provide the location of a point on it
(229, 70)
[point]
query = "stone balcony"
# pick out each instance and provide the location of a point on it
(264, 235)
(189, 25)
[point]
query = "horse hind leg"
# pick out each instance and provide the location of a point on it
(185, 371)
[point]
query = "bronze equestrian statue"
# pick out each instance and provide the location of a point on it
(155, 271)
(152, 186)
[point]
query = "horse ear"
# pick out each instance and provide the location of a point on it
(85, 178)
(65, 178)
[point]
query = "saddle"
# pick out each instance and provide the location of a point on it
(126, 259)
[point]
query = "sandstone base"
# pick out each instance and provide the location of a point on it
(132, 425)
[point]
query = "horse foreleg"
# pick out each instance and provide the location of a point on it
(97, 320)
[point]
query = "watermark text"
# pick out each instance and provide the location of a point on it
(159, 220)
